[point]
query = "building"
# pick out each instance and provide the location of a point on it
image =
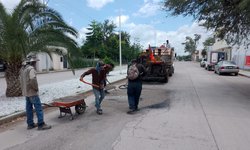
(240, 54)
(197, 56)
(221, 45)
(55, 61)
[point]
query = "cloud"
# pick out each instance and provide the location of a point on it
(149, 8)
(124, 19)
(147, 34)
(9, 4)
(82, 35)
(97, 4)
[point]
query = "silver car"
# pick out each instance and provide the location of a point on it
(226, 67)
(203, 61)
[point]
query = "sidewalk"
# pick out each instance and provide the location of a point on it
(57, 89)
(54, 71)
(245, 73)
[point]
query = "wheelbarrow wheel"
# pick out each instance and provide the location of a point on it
(80, 108)
(123, 86)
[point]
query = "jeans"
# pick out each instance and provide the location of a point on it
(30, 102)
(134, 93)
(99, 96)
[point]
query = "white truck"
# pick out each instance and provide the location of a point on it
(213, 57)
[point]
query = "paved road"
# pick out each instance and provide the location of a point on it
(196, 110)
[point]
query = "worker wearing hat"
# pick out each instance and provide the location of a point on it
(29, 88)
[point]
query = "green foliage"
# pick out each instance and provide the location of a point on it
(31, 27)
(191, 44)
(203, 53)
(103, 42)
(108, 60)
(184, 58)
(209, 42)
(229, 19)
(82, 63)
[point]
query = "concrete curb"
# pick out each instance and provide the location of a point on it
(11, 117)
(14, 116)
(244, 75)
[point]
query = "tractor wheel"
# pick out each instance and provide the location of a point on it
(165, 80)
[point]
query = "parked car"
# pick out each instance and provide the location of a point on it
(226, 67)
(203, 62)
(2, 66)
(213, 57)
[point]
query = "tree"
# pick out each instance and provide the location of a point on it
(31, 27)
(229, 19)
(203, 53)
(94, 37)
(208, 42)
(108, 29)
(191, 44)
(102, 37)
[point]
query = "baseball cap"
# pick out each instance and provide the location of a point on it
(31, 58)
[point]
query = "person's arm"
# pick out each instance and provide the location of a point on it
(142, 70)
(86, 73)
(33, 80)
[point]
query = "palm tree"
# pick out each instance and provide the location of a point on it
(31, 27)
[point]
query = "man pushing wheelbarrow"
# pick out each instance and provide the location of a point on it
(99, 75)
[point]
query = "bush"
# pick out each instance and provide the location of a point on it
(108, 60)
(82, 63)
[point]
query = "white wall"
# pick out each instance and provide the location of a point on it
(45, 62)
(57, 62)
(221, 45)
(239, 54)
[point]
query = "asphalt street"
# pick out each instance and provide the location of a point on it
(196, 110)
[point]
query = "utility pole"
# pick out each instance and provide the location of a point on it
(155, 34)
(45, 3)
(120, 46)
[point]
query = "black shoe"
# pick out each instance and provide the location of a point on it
(44, 127)
(131, 111)
(107, 92)
(32, 126)
(99, 111)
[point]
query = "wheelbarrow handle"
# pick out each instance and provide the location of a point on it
(48, 105)
(94, 85)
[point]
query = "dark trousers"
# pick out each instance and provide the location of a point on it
(134, 93)
(30, 102)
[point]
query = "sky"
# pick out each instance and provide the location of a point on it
(144, 20)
